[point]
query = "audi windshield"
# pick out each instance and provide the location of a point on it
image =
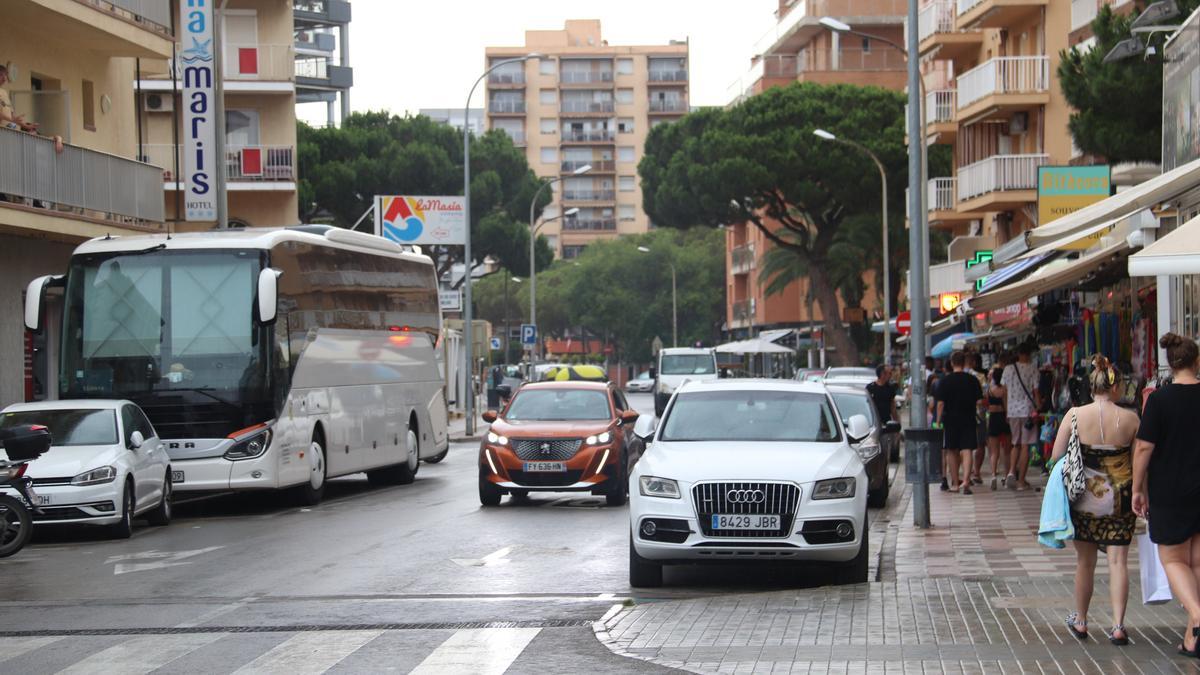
(749, 415)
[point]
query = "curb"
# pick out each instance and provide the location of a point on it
(466, 439)
(600, 630)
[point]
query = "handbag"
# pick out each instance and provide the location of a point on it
(1073, 479)
(1156, 589)
(1054, 525)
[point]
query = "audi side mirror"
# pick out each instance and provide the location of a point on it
(858, 428)
(645, 426)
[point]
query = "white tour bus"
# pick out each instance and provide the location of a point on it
(265, 358)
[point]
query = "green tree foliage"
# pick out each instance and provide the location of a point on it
(1118, 105)
(343, 168)
(617, 292)
(819, 201)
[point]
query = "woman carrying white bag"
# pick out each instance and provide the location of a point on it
(1166, 479)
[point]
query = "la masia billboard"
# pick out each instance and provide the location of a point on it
(421, 220)
(1063, 190)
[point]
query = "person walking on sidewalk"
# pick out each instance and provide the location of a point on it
(958, 398)
(1020, 382)
(1166, 479)
(997, 421)
(1103, 515)
(981, 433)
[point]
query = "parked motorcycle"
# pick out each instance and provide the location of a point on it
(23, 444)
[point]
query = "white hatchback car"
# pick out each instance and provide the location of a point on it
(749, 470)
(106, 465)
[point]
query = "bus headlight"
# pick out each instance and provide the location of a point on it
(250, 447)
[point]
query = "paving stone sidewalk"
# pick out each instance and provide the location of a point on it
(976, 594)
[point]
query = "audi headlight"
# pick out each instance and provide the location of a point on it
(250, 446)
(834, 488)
(598, 439)
(497, 439)
(659, 487)
(105, 474)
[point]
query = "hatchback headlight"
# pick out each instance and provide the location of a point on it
(497, 439)
(834, 488)
(598, 439)
(104, 474)
(659, 487)
(250, 447)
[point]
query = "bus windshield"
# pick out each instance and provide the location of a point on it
(688, 364)
(169, 328)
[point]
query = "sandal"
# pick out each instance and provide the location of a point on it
(993, 483)
(1072, 623)
(966, 489)
(1194, 652)
(1121, 640)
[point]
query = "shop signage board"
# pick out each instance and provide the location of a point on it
(421, 220)
(198, 64)
(980, 258)
(450, 301)
(1063, 190)
(1181, 97)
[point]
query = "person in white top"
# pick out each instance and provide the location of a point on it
(1019, 382)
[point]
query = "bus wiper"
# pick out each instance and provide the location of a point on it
(152, 249)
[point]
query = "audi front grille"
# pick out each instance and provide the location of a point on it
(547, 450)
(746, 498)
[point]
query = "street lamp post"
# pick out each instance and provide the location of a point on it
(507, 327)
(532, 231)
(467, 313)
(674, 303)
(887, 284)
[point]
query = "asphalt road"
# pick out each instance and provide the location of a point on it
(418, 564)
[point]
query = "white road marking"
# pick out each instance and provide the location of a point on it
(141, 655)
(480, 651)
(162, 558)
(310, 652)
(215, 612)
(12, 647)
(490, 560)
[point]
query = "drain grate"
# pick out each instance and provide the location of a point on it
(301, 628)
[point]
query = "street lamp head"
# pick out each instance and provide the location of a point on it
(1156, 13)
(835, 25)
(1125, 49)
(534, 55)
(821, 133)
(571, 211)
(583, 169)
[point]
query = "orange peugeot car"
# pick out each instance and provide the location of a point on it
(571, 436)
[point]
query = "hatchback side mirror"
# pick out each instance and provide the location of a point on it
(136, 440)
(490, 416)
(858, 428)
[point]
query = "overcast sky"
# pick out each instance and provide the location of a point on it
(412, 54)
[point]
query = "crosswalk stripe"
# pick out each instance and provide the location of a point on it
(479, 651)
(12, 647)
(141, 655)
(310, 652)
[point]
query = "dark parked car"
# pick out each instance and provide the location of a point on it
(855, 401)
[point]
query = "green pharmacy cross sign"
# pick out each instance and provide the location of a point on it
(980, 258)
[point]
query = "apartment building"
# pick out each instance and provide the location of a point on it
(454, 117)
(264, 73)
(323, 71)
(1084, 11)
(586, 103)
(71, 67)
(797, 48)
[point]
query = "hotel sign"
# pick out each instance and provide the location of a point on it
(1063, 190)
(198, 66)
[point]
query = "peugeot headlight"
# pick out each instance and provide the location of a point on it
(250, 446)
(104, 474)
(659, 487)
(598, 439)
(497, 439)
(834, 488)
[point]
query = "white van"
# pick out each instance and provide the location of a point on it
(677, 365)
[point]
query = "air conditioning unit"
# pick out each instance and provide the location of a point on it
(158, 103)
(1019, 123)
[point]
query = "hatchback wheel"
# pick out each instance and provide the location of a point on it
(161, 515)
(123, 529)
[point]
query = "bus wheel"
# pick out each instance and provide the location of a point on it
(403, 473)
(311, 493)
(440, 456)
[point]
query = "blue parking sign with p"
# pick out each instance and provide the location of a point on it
(496, 343)
(528, 334)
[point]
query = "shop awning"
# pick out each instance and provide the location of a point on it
(1145, 195)
(1005, 275)
(1176, 253)
(754, 346)
(1052, 276)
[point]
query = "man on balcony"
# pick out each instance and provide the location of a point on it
(8, 116)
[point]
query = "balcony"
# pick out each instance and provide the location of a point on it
(940, 107)
(668, 107)
(323, 72)
(999, 183)
(941, 201)
(570, 107)
(741, 259)
(248, 167)
(1083, 12)
(663, 75)
(997, 13)
(250, 68)
(496, 107)
(590, 225)
(113, 28)
(517, 135)
(513, 80)
(743, 312)
(937, 31)
(587, 195)
(604, 136)
(321, 12)
(78, 182)
(802, 21)
(568, 77)
(1001, 86)
(598, 165)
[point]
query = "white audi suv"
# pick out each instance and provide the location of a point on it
(749, 470)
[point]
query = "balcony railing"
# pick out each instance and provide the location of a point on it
(999, 173)
(262, 62)
(507, 78)
(585, 76)
(569, 106)
(77, 178)
(495, 106)
(809, 11)
(326, 11)
(965, 6)
(939, 194)
(939, 106)
(936, 17)
(596, 164)
(668, 105)
(589, 195)
(596, 136)
(1004, 75)
(1083, 12)
(157, 12)
(743, 310)
(243, 163)
(741, 259)
(517, 135)
(590, 224)
(668, 75)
